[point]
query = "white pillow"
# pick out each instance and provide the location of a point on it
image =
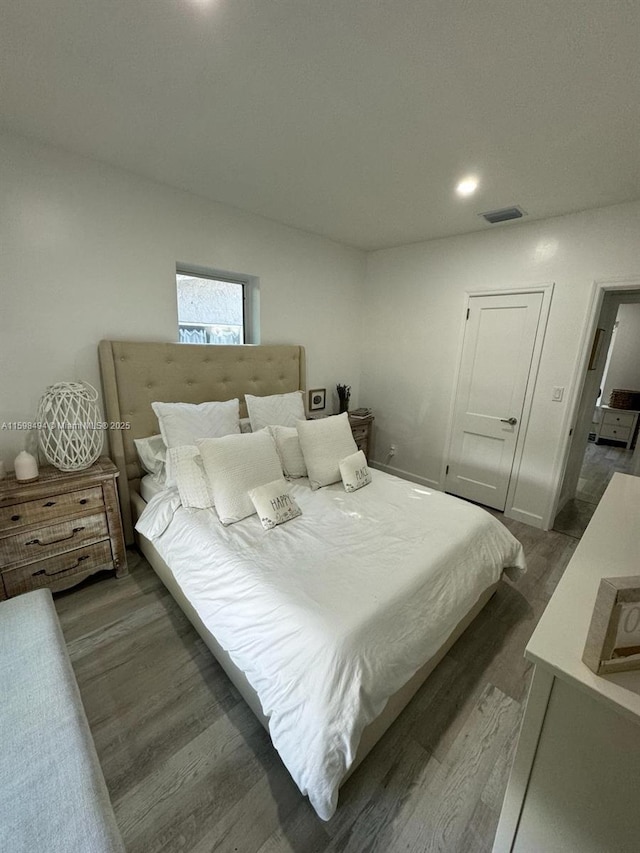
(324, 443)
(158, 514)
(187, 471)
(234, 465)
(354, 472)
(289, 451)
(152, 453)
(183, 423)
(276, 409)
(274, 504)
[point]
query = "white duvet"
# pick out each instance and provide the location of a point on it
(331, 613)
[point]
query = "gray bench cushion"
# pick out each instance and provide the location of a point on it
(53, 795)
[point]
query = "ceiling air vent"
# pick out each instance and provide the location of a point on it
(504, 215)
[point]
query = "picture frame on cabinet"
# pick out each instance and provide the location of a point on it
(613, 640)
(317, 399)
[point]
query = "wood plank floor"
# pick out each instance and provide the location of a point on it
(190, 769)
(600, 463)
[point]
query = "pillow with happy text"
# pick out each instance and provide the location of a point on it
(274, 503)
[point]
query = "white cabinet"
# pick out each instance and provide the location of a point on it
(575, 781)
(617, 425)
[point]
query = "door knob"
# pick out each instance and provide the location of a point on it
(510, 421)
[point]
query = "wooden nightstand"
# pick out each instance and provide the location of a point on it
(60, 528)
(362, 429)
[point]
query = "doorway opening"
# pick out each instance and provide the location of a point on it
(606, 425)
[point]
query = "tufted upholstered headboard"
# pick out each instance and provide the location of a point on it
(137, 373)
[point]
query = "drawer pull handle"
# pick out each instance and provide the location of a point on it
(15, 518)
(54, 541)
(83, 501)
(50, 503)
(61, 571)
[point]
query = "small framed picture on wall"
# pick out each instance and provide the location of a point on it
(317, 399)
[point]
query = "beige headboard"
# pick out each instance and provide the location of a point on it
(137, 373)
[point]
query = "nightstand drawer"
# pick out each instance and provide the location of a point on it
(615, 433)
(44, 542)
(60, 571)
(621, 419)
(360, 433)
(362, 444)
(49, 509)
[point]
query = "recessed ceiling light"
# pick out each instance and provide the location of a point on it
(467, 186)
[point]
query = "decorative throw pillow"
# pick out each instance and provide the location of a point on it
(234, 465)
(276, 409)
(187, 471)
(354, 472)
(183, 423)
(274, 503)
(152, 453)
(324, 443)
(289, 451)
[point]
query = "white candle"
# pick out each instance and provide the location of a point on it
(26, 467)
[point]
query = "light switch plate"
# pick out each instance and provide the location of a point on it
(558, 393)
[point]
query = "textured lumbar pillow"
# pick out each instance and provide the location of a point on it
(289, 451)
(324, 443)
(275, 409)
(274, 504)
(354, 471)
(187, 472)
(234, 465)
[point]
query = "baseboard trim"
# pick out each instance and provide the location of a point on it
(406, 475)
(526, 517)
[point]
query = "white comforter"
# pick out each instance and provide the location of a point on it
(331, 613)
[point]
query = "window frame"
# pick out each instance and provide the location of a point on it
(250, 299)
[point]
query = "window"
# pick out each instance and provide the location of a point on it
(213, 310)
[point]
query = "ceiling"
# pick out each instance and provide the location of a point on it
(353, 119)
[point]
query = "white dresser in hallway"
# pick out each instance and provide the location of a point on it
(575, 781)
(617, 425)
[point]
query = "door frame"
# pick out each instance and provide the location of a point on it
(599, 288)
(546, 289)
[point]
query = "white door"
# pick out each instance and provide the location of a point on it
(499, 340)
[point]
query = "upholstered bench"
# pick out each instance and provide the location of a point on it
(53, 797)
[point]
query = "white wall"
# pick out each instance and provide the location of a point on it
(624, 365)
(88, 252)
(413, 321)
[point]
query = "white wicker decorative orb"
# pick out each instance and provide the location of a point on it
(70, 427)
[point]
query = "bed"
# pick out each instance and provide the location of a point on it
(330, 626)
